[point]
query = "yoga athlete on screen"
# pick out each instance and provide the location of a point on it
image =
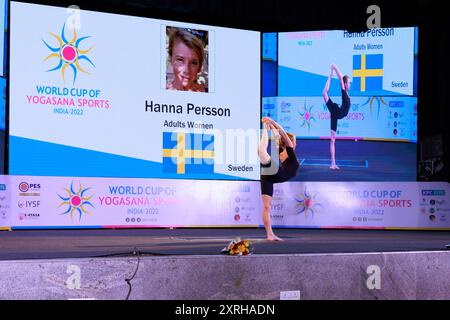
(288, 167)
(336, 112)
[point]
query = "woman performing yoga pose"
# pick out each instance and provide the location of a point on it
(336, 112)
(287, 169)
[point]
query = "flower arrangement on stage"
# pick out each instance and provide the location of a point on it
(238, 247)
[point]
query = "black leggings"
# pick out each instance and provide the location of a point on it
(267, 181)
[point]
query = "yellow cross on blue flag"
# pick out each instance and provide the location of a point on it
(185, 153)
(367, 72)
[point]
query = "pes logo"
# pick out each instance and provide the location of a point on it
(29, 189)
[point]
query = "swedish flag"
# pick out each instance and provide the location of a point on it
(368, 72)
(185, 153)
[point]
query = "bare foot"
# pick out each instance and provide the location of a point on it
(334, 167)
(273, 237)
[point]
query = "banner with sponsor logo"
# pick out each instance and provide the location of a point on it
(376, 117)
(132, 96)
(60, 202)
(65, 202)
(362, 205)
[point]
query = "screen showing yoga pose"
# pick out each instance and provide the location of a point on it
(351, 101)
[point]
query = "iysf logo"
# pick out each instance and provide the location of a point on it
(28, 204)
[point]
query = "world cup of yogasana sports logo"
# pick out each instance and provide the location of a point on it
(68, 54)
(307, 116)
(76, 201)
(307, 203)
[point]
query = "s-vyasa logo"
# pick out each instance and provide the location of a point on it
(76, 201)
(68, 54)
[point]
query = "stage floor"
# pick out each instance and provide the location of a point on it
(52, 244)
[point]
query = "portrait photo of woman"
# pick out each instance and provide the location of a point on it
(187, 59)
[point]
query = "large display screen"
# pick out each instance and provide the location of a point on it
(96, 94)
(380, 61)
(376, 138)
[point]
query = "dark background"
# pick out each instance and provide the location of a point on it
(282, 15)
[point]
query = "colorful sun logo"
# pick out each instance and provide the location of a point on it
(68, 53)
(379, 101)
(75, 201)
(307, 116)
(307, 203)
